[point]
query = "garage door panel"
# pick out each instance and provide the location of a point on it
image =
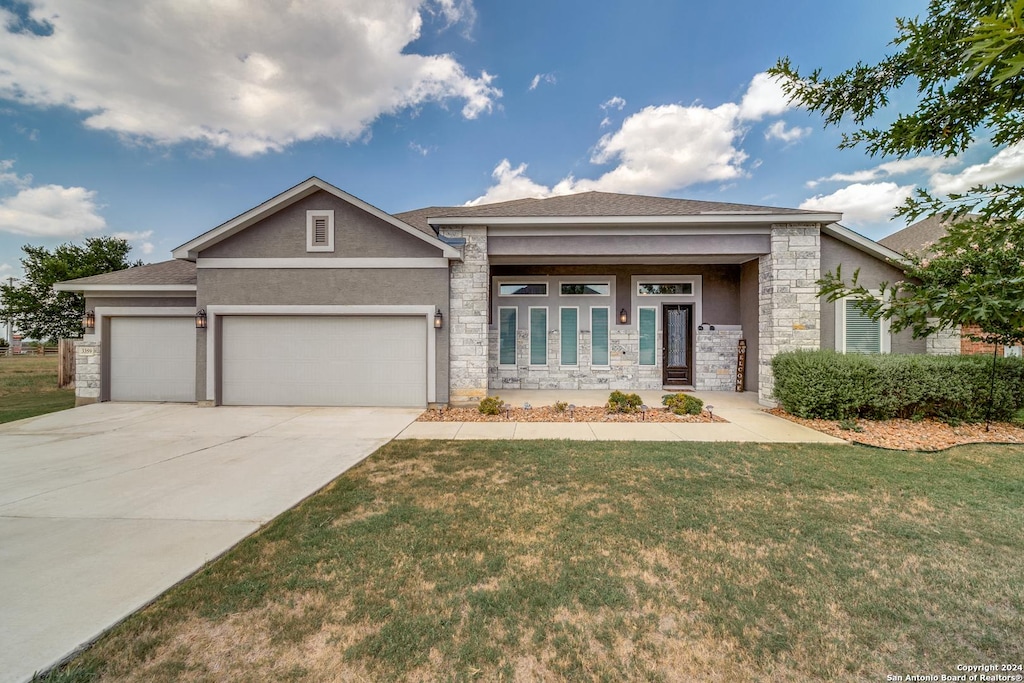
(152, 359)
(316, 361)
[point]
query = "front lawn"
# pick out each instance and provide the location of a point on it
(609, 561)
(28, 387)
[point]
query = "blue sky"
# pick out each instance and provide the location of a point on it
(157, 122)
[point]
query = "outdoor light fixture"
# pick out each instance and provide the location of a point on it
(643, 412)
(89, 321)
(623, 317)
(711, 411)
(438, 319)
(201, 319)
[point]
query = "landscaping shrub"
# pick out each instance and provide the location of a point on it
(619, 402)
(682, 404)
(829, 385)
(491, 405)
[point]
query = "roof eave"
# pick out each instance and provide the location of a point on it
(154, 290)
(690, 219)
(869, 246)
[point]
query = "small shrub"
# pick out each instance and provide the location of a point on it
(682, 404)
(850, 426)
(491, 405)
(560, 406)
(619, 402)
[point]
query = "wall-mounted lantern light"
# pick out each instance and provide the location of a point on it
(438, 320)
(623, 317)
(89, 321)
(201, 319)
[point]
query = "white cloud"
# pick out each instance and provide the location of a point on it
(658, 149)
(615, 102)
(51, 211)
(779, 131)
(9, 177)
(138, 239)
(168, 72)
(420, 149)
(1007, 166)
(605, 122)
(887, 169)
(764, 97)
(6, 268)
(862, 203)
(542, 78)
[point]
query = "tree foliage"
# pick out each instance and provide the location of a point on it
(42, 313)
(966, 61)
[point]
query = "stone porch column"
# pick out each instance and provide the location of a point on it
(87, 372)
(468, 312)
(942, 343)
(789, 315)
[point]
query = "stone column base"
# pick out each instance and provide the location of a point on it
(461, 398)
(85, 401)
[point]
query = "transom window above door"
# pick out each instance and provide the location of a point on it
(664, 288)
(585, 289)
(524, 289)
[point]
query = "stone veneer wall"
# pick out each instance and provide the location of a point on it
(944, 343)
(789, 308)
(468, 316)
(714, 363)
(87, 372)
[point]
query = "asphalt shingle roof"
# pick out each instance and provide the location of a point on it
(918, 237)
(174, 272)
(591, 204)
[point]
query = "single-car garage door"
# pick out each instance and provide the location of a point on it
(324, 360)
(153, 359)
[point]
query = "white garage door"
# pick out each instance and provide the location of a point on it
(324, 360)
(153, 359)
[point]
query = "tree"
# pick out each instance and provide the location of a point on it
(42, 313)
(966, 61)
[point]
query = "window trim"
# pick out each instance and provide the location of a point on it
(608, 336)
(529, 318)
(515, 337)
(884, 333)
(561, 337)
(665, 281)
(501, 284)
(639, 336)
(311, 216)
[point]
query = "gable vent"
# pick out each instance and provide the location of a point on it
(320, 230)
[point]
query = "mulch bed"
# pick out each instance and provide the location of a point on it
(549, 414)
(912, 435)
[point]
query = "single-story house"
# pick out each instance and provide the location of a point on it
(317, 298)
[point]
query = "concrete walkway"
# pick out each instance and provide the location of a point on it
(104, 507)
(747, 422)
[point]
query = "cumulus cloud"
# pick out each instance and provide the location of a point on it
(9, 177)
(6, 268)
(779, 131)
(542, 78)
(249, 77)
(659, 148)
(138, 239)
(1007, 166)
(51, 211)
(862, 203)
(887, 169)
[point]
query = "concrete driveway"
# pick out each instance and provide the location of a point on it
(104, 507)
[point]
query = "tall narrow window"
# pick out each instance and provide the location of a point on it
(569, 332)
(863, 333)
(538, 336)
(598, 336)
(507, 335)
(648, 335)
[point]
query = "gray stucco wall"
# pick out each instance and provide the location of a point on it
(356, 234)
(618, 245)
(327, 287)
(94, 302)
(721, 284)
(872, 272)
(749, 298)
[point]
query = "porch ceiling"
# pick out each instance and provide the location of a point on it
(652, 259)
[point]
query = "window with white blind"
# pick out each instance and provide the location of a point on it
(857, 332)
(320, 230)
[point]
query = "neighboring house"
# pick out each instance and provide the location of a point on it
(317, 298)
(920, 238)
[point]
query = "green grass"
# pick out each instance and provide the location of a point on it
(28, 387)
(609, 561)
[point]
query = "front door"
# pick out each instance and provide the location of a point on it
(677, 324)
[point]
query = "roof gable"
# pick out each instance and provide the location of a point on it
(191, 249)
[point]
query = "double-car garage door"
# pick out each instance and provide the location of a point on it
(323, 360)
(275, 360)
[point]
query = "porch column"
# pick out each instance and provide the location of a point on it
(789, 311)
(942, 343)
(468, 313)
(87, 372)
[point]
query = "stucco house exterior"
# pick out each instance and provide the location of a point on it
(317, 298)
